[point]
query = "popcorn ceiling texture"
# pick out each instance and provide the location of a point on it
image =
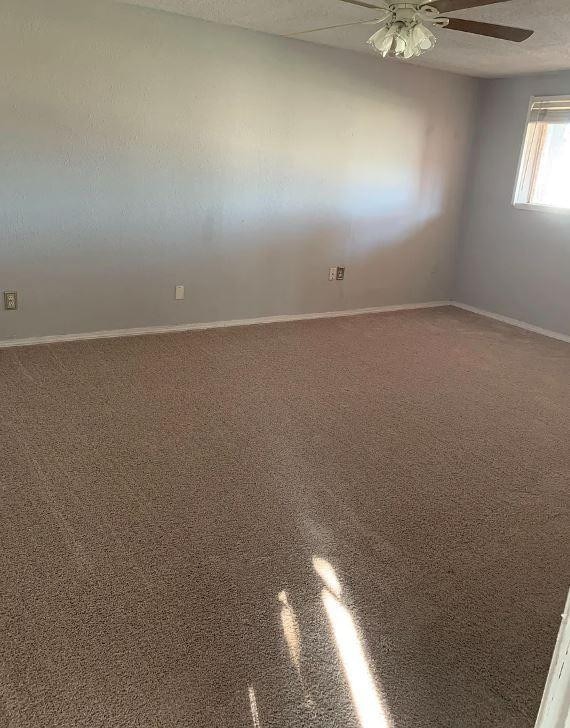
(163, 499)
(473, 55)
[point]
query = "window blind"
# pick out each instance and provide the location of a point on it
(555, 111)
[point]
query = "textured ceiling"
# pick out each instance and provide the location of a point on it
(547, 50)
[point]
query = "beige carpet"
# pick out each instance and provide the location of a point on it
(350, 523)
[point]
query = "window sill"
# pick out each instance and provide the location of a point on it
(541, 208)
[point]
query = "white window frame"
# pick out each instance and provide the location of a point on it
(555, 706)
(520, 166)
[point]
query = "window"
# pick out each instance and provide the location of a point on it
(543, 180)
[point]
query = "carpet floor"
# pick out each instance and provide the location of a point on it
(352, 523)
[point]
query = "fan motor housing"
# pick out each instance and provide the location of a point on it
(408, 13)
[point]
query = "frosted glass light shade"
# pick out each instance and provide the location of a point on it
(421, 38)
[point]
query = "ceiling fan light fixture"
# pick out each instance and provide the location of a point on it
(401, 40)
(406, 29)
(406, 25)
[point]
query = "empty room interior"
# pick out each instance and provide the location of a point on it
(284, 364)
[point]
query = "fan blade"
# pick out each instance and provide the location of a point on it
(363, 4)
(504, 32)
(331, 27)
(448, 6)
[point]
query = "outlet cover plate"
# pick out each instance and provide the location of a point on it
(10, 301)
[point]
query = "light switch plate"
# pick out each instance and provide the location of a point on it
(179, 293)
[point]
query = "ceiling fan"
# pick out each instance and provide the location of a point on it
(405, 30)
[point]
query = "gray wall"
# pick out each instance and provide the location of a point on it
(140, 149)
(512, 262)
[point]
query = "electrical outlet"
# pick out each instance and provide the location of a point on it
(179, 293)
(340, 273)
(332, 274)
(10, 300)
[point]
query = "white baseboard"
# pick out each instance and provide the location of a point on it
(145, 330)
(512, 321)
